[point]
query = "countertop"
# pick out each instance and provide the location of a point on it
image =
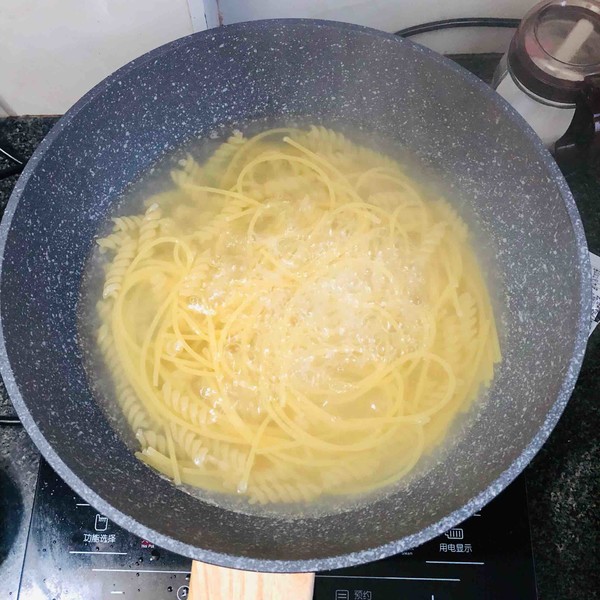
(563, 480)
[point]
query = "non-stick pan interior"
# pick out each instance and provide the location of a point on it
(532, 244)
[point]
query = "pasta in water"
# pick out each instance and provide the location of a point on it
(294, 319)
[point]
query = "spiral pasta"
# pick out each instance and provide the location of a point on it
(295, 319)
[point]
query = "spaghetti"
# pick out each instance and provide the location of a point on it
(295, 318)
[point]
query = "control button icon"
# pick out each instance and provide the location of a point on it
(100, 523)
(342, 595)
(183, 592)
(455, 534)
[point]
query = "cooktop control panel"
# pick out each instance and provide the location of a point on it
(75, 552)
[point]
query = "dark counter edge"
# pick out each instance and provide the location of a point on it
(563, 480)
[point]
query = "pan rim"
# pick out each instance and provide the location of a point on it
(367, 554)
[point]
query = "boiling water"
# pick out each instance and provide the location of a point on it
(157, 181)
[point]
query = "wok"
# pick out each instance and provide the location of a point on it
(530, 239)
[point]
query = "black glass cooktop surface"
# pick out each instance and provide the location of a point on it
(75, 553)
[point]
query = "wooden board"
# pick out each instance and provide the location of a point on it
(209, 582)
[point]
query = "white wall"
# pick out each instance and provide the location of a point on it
(392, 15)
(53, 51)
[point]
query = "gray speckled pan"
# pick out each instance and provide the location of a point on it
(333, 73)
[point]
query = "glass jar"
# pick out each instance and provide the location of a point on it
(551, 58)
